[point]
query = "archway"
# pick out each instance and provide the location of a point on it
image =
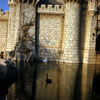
(98, 44)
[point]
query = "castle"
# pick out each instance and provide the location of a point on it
(59, 30)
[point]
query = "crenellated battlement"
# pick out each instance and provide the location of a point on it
(92, 5)
(50, 9)
(11, 2)
(4, 15)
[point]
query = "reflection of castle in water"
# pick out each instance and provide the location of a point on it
(69, 82)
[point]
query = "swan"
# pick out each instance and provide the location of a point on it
(48, 81)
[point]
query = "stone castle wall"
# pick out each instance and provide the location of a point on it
(71, 40)
(3, 30)
(56, 32)
(89, 52)
(21, 20)
(78, 37)
(25, 44)
(50, 31)
(28, 19)
(11, 27)
(3, 35)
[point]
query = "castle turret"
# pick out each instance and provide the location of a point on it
(71, 36)
(11, 3)
(90, 33)
(11, 25)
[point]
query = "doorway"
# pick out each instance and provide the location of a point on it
(98, 44)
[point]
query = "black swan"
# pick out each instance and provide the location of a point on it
(48, 81)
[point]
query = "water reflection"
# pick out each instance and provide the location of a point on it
(54, 81)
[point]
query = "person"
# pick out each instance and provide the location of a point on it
(2, 55)
(8, 61)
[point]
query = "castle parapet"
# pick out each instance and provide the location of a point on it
(11, 2)
(50, 9)
(92, 5)
(4, 15)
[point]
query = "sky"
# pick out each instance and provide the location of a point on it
(4, 5)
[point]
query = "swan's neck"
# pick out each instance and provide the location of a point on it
(47, 76)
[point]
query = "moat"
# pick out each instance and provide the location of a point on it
(52, 81)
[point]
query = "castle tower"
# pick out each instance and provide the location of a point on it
(90, 33)
(11, 25)
(71, 36)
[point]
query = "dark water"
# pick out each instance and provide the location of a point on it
(52, 81)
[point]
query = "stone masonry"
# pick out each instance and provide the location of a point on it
(51, 27)
(59, 30)
(3, 30)
(70, 45)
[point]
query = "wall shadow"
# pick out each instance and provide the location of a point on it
(98, 44)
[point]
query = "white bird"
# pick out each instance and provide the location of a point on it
(45, 60)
